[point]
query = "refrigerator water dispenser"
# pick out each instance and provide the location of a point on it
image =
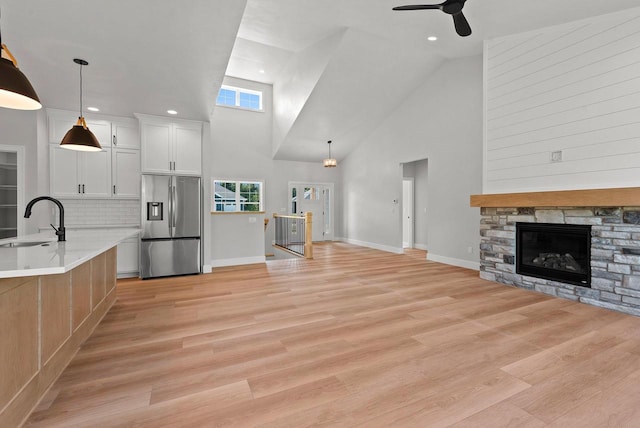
(154, 211)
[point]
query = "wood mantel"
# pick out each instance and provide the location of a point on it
(618, 197)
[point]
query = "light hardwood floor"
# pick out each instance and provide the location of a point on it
(355, 337)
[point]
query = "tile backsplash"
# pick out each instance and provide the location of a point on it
(97, 212)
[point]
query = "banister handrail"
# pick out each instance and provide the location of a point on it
(287, 216)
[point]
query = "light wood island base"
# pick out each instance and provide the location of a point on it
(43, 321)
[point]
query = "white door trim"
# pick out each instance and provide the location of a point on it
(408, 209)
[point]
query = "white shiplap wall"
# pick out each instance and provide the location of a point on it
(573, 88)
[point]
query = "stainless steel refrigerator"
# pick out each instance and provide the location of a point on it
(171, 225)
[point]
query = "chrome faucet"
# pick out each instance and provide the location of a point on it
(60, 231)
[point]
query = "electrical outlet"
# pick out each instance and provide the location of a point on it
(556, 156)
(252, 219)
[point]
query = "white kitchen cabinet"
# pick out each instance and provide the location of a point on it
(76, 174)
(128, 257)
(125, 173)
(125, 134)
(170, 146)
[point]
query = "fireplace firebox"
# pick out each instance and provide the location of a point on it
(558, 252)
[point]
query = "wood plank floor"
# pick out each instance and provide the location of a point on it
(355, 337)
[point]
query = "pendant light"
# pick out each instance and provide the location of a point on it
(15, 90)
(79, 137)
(330, 162)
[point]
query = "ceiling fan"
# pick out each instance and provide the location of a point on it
(451, 7)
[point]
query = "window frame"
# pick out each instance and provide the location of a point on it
(237, 201)
(238, 91)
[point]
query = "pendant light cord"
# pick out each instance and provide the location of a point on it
(80, 90)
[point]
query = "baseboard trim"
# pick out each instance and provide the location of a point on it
(421, 247)
(238, 262)
(453, 261)
(375, 246)
(206, 268)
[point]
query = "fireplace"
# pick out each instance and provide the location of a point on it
(557, 252)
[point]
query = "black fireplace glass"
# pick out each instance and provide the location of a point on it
(559, 252)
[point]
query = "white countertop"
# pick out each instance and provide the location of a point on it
(58, 257)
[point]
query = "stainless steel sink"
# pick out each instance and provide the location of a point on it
(18, 244)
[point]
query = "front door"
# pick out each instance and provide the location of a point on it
(311, 198)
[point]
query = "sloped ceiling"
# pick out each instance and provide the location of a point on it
(144, 55)
(380, 57)
(152, 55)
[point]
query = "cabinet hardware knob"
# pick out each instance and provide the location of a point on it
(79, 189)
(115, 140)
(114, 189)
(83, 188)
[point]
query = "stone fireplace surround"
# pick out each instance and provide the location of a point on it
(615, 242)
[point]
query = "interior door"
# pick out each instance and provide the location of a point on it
(311, 199)
(407, 214)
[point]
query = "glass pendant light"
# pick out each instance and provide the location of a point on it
(15, 90)
(330, 162)
(79, 137)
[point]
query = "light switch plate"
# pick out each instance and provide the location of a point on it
(556, 156)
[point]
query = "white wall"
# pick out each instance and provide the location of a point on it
(241, 148)
(442, 122)
(21, 128)
(573, 88)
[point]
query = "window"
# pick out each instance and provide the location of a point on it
(238, 97)
(237, 196)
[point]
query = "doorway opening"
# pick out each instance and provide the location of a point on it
(414, 205)
(316, 198)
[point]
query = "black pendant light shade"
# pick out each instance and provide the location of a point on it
(15, 90)
(79, 137)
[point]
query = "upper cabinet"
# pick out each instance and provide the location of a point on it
(112, 173)
(170, 146)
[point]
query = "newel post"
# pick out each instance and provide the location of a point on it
(308, 235)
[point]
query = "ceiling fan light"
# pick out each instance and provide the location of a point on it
(16, 91)
(80, 138)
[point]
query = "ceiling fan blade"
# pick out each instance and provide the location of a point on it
(419, 7)
(462, 25)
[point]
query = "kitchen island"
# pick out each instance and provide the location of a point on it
(52, 296)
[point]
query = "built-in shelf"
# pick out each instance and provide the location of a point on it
(8, 166)
(8, 206)
(8, 186)
(8, 228)
(617, 197)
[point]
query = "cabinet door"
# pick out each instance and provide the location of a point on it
(64, 173)
(125, 134)
(125, 173)
(187, 151)
(128, 256)
(156, 147)
(95, 173)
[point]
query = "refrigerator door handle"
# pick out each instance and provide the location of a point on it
(170, 209)
(174, 205)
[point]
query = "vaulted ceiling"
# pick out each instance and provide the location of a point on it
(338, 66)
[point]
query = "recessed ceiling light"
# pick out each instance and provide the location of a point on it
(172, 112)
(261, 71)
(432, 38)
(93, 109)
